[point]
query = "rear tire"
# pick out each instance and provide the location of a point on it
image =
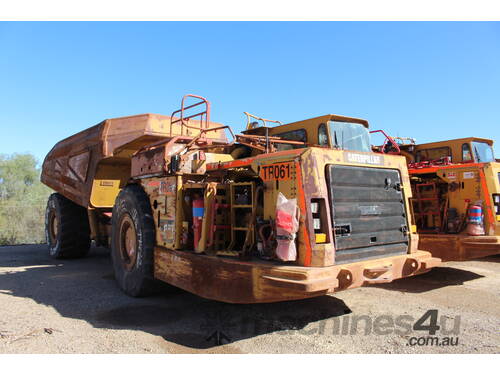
(67, 229)
(132, 242)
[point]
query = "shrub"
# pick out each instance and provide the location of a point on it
(22, 200)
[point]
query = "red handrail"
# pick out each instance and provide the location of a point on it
(388, 139)
(204, 115)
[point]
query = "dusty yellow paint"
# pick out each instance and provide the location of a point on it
(469, 182)
(313, 161)
(454, 145)
(104, 193)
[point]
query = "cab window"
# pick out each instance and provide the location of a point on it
(322, 136)
(349, 136)
(294, 135)
(466, 153)
(483, 152)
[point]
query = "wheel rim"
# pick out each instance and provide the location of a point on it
(53, 227)
(128, 242)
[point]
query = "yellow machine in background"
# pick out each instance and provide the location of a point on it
(451, 180)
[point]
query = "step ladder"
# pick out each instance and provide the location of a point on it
(220, 227)
(243, 210)
(427, 202)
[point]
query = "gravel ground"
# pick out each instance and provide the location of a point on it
(74, 306)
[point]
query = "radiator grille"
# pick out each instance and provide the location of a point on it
(368, 213)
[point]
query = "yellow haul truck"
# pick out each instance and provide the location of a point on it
(278, 213)
(450, 180)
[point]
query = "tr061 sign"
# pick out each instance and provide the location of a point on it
(279, 171)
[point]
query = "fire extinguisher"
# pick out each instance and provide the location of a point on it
(475, 214)
(198, 212)
(475, 220)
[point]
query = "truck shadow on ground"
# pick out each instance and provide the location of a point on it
(436, 278)
(85, 289)
(490, 259)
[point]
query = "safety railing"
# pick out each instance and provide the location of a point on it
(253, 124)
(389, 143)
(204, 116)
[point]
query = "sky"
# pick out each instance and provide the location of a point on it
(427, 80)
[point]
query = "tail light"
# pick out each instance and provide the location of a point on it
(496, 203)
(319, 220)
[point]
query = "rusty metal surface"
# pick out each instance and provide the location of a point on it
(72, 164)
(148, 162)
(236, 281)
(57, 171)
(456, 247)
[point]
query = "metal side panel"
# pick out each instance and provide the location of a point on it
(368, 213)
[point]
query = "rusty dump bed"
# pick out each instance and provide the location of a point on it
(73, 164)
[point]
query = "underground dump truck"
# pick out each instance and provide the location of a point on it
(456, 196)
(278, 213)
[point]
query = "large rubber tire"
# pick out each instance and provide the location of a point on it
(67, 229)
(132, 242)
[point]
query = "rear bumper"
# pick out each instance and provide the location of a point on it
(234, 281)
(457, 247)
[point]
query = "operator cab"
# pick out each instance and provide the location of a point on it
(329, 131)
(462, 150)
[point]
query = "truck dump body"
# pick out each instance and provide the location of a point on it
(74, 163)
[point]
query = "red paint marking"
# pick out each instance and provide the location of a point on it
(302, 205)
(230, 164)
(154, 183)
(437, 168)
(248, 161)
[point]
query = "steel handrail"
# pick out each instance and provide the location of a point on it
(388, 139)
(264, 120)
(204, 115)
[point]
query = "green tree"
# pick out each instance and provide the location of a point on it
(22, 200)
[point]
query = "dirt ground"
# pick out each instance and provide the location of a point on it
(74, 306)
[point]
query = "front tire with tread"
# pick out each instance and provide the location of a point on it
(132, 242)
